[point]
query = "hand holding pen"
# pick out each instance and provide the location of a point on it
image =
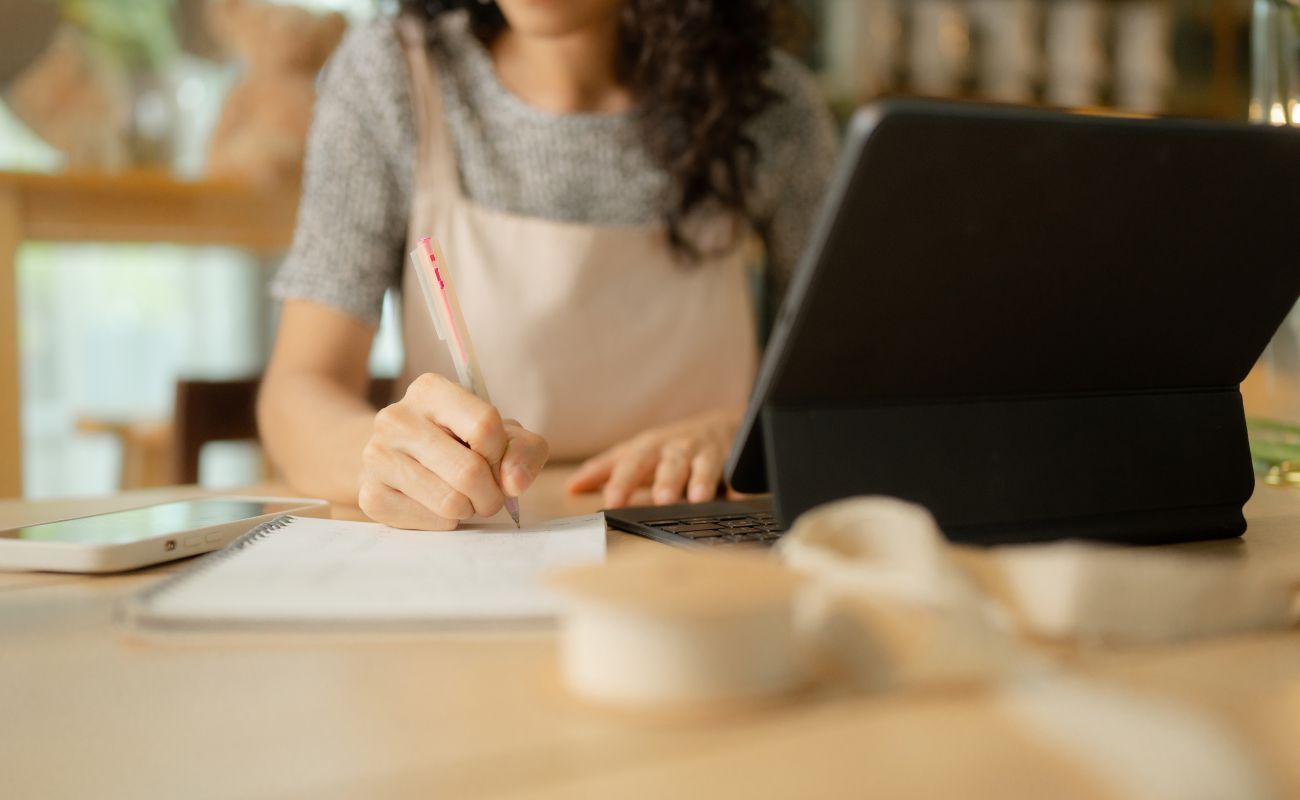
(443, 453)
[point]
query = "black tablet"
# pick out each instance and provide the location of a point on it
(1033, 322)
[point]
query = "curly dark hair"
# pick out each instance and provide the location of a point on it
(697, 70)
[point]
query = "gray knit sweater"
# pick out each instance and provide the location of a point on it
(588, 168)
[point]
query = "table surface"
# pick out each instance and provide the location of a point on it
(89, 710)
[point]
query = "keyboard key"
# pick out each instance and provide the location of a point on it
(702, 526)
(698, 535)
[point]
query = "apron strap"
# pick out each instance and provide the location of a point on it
(435, 160)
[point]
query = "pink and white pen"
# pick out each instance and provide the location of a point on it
(444, 307)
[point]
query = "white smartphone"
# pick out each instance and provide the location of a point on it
(137, 537)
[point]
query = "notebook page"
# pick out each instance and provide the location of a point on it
(320, 570)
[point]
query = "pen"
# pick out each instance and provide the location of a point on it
(444, 307)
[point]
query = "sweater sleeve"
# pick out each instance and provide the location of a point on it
(356, 194)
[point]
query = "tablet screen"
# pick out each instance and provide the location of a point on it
(132, 525)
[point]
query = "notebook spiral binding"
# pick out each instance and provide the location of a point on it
(141, 600)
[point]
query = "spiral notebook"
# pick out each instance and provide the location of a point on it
(304, 573)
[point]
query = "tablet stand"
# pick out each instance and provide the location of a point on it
(1153, 468)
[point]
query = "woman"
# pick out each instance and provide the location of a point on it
(593, 170)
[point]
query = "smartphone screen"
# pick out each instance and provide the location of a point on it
(132, 525)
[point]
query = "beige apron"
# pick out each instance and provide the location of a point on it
(585, 334)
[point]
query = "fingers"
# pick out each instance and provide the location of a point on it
(460, 468)
(525, 455)
(400, 471)
(680, 469)
(706, 474)
(404, 430)
(389, 506)
(417, 469)
(593, 473)
(671, 474)
(469, 418)
(632, 469)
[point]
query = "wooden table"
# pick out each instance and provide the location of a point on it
(115, 208)
(88, 711)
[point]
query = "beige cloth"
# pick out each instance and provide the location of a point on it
(586, 335)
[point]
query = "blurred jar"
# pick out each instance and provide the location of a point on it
(1272, 390)
(134, 45)
(153, 119)
(1275, 62)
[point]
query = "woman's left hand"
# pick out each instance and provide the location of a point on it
(682, 460)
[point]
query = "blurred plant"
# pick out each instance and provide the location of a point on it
(135, 33)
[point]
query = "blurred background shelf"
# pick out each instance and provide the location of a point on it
(147, 206)
(129, 207)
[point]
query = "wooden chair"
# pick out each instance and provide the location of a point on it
(146, 447)
(219, 411)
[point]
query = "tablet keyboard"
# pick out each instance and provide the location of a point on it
(757, 528)
(706, 524)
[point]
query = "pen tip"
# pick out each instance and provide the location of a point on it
(512, 506)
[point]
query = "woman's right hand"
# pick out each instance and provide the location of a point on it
(440, 455)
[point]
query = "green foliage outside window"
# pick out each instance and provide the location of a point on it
(135, 33)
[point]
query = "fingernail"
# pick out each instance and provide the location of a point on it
(663, 497)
